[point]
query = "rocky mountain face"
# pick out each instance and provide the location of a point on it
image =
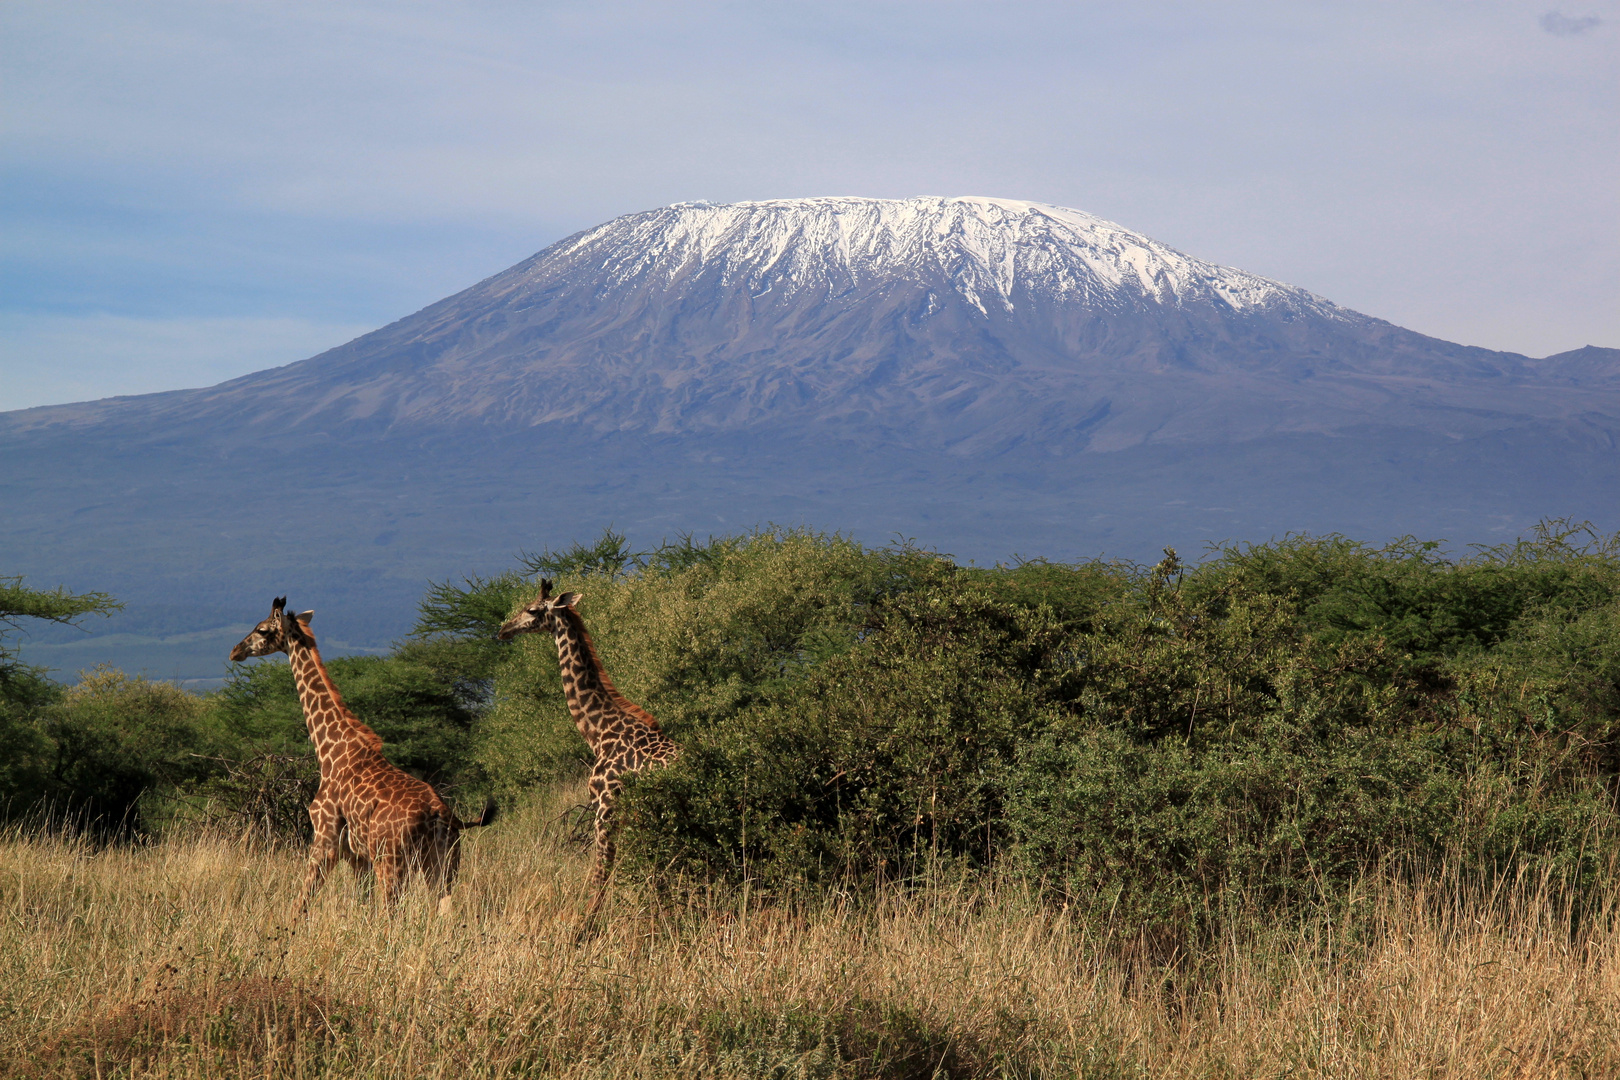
(987, 375)
(970, 325)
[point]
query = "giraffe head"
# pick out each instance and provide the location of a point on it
(276, 633)
(538, 615)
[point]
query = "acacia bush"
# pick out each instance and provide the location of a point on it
(29, 786)
(696, 633)
(424, 723)
(902, 745)
(114, 742)
(1164, 743)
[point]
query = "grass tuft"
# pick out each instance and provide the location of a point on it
(258, 1021)
(177, 960)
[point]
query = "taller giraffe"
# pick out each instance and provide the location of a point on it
(385, 818)
(623, 736)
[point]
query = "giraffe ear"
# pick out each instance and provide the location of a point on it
(305, 616)
(293, 628)
(569, 599)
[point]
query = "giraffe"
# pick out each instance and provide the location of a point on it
(623, 736)
(366, 810)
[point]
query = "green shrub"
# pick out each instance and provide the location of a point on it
(1166, 743)
(27, 753)
(424, 722)
(1427, 608)
(696, 634)
(898, 748)
(115, 740)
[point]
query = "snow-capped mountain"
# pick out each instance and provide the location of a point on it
(988, 375)
(966, 324)
(986, 251)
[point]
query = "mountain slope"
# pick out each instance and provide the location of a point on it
(970, 324)
(988, 375)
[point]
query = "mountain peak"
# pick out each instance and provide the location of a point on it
(994, 375)
(965, 323)
(989, 250)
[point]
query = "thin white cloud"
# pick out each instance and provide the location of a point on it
(49, 359)
(1416, 160)
(1560, 25)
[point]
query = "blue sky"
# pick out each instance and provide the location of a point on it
(191, 191)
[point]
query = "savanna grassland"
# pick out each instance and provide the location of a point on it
(1309, 808)
(176, 960)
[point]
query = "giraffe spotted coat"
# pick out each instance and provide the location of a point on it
(366, 810)
(623, 736)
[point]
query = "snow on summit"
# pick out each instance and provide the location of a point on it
(991, 251)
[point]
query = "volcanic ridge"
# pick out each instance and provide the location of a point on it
(989, 376)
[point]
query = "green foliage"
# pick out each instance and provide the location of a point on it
(1426, 607)
(1161, 743)
(610, 557)
(899, 747)
(24, 688)
(113, 740)
(423, 722)
(29, 769)
(17, 601)
(696, 634)
(471, 611)
(455, 630)
(25, 757)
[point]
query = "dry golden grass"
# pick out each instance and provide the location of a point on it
(177, 961)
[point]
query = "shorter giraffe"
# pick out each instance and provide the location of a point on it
(622, 735)
(366, 810)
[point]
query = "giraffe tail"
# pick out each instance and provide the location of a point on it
(488, 816)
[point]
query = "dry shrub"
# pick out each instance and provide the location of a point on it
(253, 1018)
(263, 798)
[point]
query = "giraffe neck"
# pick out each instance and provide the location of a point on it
(591, 695)
(332, 727)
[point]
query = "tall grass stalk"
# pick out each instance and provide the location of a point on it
(176, 959)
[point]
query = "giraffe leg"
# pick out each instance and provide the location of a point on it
(323, 853)
(392, 872)
(322, 858)
(606, 849)
(346, 848)
(449, 865)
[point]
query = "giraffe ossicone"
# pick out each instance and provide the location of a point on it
(366, 811)
(623, 736)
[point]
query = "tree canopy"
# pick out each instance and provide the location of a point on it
(21, 683)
